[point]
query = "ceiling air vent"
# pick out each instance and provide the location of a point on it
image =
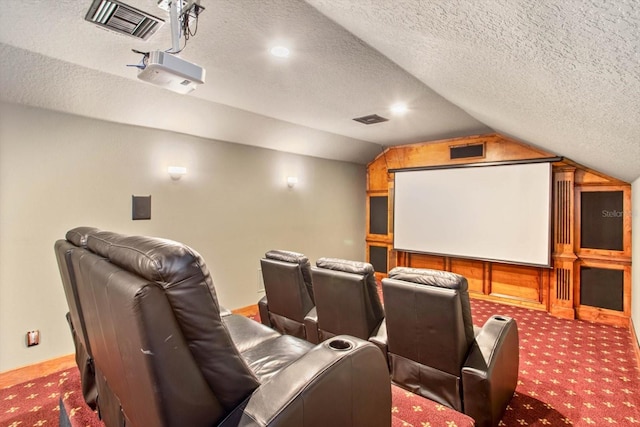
(124, 19)
(371, 119)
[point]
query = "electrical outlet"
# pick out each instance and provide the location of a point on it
(33, 338)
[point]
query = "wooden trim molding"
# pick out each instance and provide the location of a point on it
(248, 311)
(26, 373)
(635, 342)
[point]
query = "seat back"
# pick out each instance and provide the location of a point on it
(433, 350)
(429, 330)
(430, 308)
(287, 284)
(84, 356)
(347, 300)
(153, 322)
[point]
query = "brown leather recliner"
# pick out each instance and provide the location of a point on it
(165, 356)
(289, 292)
(434, 351)
(347, 301)
(75, 316)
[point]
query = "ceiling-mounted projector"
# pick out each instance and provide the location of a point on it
(170, 72)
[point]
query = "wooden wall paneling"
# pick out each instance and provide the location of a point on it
(473, 270)
(433, 262)
(517, 282)
(561, 298)
(586, 176)
(497, 148)
(377, 174)
(486, 283)
(390, 214)
(556, 290)
(546, 275)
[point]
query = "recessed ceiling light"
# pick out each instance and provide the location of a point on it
(399, 108)
(280, 51)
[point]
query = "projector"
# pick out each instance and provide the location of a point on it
(170, 72)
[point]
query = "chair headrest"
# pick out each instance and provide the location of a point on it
(160, 260)
(346, 266)
(287, 256)
(441, 279)
(78, 235)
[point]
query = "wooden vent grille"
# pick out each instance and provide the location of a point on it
(563, 284)
(563, 212)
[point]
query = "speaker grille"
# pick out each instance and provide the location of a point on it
(466, 151)
(563, 212)
(602, 287)
(378, 258)
(563, 284)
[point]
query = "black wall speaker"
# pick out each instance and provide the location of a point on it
(378, 215)
(378, 258)
(602, 220)
(141, 207)
(602, 287)
(466, 151)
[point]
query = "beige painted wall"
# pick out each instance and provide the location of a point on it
(635, 255)
(58, 171)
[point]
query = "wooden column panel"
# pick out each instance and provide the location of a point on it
(562, 289)
(561, 302)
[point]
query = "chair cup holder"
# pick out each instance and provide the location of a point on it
(340, 345)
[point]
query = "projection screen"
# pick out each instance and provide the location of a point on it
(497, 213)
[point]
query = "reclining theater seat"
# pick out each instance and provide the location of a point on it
(75, 317)
(347, 300)
(164, 355)
(289, 293)
(433, 351)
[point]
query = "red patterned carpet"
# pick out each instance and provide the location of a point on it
(571, 373)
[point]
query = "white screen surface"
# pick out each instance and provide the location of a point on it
(499, 213)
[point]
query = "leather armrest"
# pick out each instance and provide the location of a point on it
(324, 387)
(263, 309)
(490, 373)
(379, 338)
(311, 326)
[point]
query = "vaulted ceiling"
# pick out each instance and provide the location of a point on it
(561, 76)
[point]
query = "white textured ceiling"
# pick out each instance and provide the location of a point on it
(561, 75)
(564, 76)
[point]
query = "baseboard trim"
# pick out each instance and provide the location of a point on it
(26, 373)
(250, 310)
(635, 343)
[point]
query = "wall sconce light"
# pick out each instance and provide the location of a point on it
(292, 181)
(176, 172)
